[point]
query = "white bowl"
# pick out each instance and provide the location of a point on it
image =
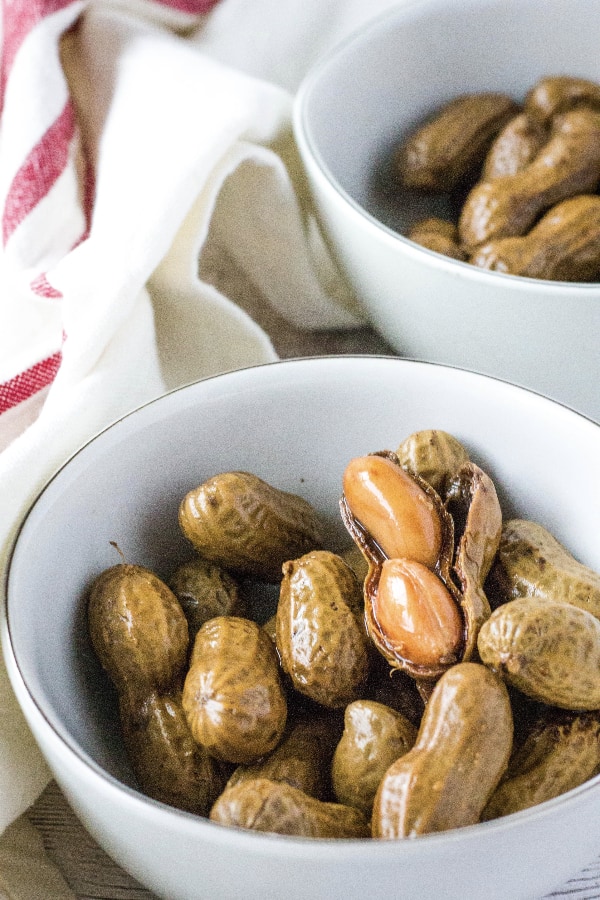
(296, 424)
(356, 105)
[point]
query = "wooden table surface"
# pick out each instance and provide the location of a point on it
(88, 871)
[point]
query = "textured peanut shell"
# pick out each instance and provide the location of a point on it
(532, 563)
(205, 590)
(138, 630)
(374, 737)
(548, 650)
(564, 245)
(569, 164)
(321, 636)
(462, 750)
(557, 93)
(302, 759)
(515, 147)
(473, 503)
(449, 147)
(242, 523)
(274, 806)
(556, 757)
(168, 764)
(232, 695)
(434, 455)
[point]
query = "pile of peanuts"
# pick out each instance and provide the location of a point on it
(525, 179)
(442, 670)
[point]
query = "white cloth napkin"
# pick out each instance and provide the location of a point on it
(133, 135)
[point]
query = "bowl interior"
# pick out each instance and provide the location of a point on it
(296, 424)
(359, 102)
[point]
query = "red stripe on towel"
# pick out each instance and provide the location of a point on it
(28, 383)
(38, 173)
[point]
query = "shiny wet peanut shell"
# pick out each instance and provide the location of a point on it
(242, 523)
(320, 632)
(233, 697)
(462, 749)
(138, 630)
(547, 649)
(274, 806)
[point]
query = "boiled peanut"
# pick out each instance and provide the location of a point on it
(168, 764)
(462, 750)
(232, 695)
(138, 630)
(302, 759)
(447, 149)
(557, 93)
(205, 590)
(321, 637)
(433, 454)
(140, 635)
(389, 504)
(439, 235)
(515, 147)
(274, 806)
(241, 522)
(414, 616)
(563, 246)
(531, 562)
(556, 757)
(374, 737)
(569, 164)
(547, 649)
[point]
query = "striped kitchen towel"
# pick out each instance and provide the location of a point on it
(135, 137)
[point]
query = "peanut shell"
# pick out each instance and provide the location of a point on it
(547, 649)
(321, 636)
(233, 698)
(242, 523)
(462, 750)
(274, 806)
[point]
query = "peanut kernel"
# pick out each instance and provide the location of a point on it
(416, 614)
(393, 508)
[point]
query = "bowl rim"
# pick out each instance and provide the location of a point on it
(284, 845)
(310, 152)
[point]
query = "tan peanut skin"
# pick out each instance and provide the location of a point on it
(138, 630)
(168, 764)
(374, 737)
(321, 637)
(434, 455)
(205, 590)
(556, 757)
(531, 562)
(140, 634)
(514, 147)
(547, 649)
(563, 246)
(242, 523)
(557, 93)
(271, 806)
(233, 697)
(569, 164)
(445, 151)
(302, 759)
(462, 750)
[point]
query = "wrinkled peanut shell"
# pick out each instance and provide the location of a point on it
(271, 806)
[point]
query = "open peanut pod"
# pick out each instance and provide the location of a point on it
(427, 560)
